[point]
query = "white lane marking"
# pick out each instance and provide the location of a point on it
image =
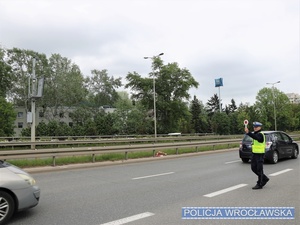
(225, 190)
(129, 219)
(280, 172)
(232, 161)
(155, 175)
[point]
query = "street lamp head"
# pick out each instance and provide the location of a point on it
(146, 57)
(274, 83)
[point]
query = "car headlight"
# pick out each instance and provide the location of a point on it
(27, 178)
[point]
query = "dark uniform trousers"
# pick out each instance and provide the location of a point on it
(257, 162)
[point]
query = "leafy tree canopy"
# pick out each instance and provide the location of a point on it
(7, 118)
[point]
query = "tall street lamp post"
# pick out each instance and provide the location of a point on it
(274, 101)
(154, 95)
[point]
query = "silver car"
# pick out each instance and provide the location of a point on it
(17, 191)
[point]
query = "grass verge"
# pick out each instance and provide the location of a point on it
(25, 163)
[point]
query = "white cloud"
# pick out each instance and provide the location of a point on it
(248, 43)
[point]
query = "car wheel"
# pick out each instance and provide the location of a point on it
(295, 153)
(274, 159)
(245, 160)
(7, 207)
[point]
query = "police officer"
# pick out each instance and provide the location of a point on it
(258, 151)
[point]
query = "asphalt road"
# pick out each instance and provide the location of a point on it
(154, 192)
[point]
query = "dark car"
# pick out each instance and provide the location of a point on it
(278, 145)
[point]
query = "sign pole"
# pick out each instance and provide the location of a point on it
(33, 94)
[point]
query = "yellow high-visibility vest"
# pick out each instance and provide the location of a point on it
(258, 147)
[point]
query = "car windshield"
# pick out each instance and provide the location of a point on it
(247, 138)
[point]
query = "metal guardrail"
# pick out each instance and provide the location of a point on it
(63, 138)
(103, 146)
(56, 142)
(93, 151)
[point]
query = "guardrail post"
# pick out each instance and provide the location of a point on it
(176, 151)
(196, 148)
(153, 153)
(53, 161)
(126, 155)
(93, 158)
(213, 147)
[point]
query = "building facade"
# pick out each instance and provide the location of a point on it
(294, 98)
(22, 121)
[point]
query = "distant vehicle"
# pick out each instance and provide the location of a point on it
(279, 145)
(17, 191)
(174, 134)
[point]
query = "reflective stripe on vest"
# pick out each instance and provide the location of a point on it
(258, 147)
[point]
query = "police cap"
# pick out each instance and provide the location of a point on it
(257, 124)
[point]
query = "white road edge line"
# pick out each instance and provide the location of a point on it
(155, 175)
(225, 190)
(129, 219)
(279, 172)
(232, 161)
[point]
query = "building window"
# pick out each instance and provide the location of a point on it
(20, 114)
(20, 124)
(41, 114)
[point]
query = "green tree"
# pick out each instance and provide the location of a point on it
(90, 128)
(52, 127)
(138, 121)
(196, 111)
(41, 129)
(123, 108)
(80, 115)
(105, 123)
(102, 88)
(26, 132)
(171, 90)
(7, 118)
(220, 123)
(231, 111)
(231, 108)
(234, 123)
(64, 87)
(5, 75)
(212, 105)
(21, 63)
(130, 118)
(199, 118)
(63, 129)
(264, 105)
(173, 85)
(184, 123)
(295, 125)
(243, 113)
(78, 130)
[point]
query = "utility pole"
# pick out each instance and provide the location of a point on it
(33, 95)
(274, 105)
(219, 83)
(35, 91)
(154, 95)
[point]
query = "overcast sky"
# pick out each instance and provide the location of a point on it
(248, 43)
